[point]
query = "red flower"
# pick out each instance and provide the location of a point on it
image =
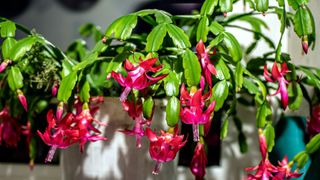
(138, 77)
(164, 148)
(207, 67)
(284, 170)
(199, 162)
(265, 169)
(194, 113)
(277, 75)
(9, 129)
(313, 123)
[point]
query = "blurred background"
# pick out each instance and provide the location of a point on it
(59, 21)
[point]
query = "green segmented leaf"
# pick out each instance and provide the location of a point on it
(226, 5)
(233, 46)
(270, 136)
(171, 84)
(178, 36)
(239, 76)
(302, 22)
(216, 28)
(87, 60)
(148, 107)
(202, 30)
(66, 87)
(250, 86)
(313, 145)
(173, 111)
(301, 159)
(15, 78)
(85, 92)
(122, 27)
(263, 114)
(224, 129)
(7, 45)
(21, 47)
(208, 7)
(262, 5)
(295, 96)
(222, 70)
(8, 29)
(155, 38)
(192, 68)
(162, 17)
(220, 92)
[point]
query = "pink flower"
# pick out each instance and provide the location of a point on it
(207, 67)
(135, 112)
(164, 148)
(9, 129)
(313, 123)
(85, 128)
(58, 134)
(22, 99)
(193, 112)
(138, 77)
(199, 161)
(284, 170)
(277, 75)
(265, 170)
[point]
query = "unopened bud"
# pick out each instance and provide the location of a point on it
(59, 111)
(305, 44)
(22, 99)
(4, 65)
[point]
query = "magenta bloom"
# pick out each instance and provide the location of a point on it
(199, 162)
(85, 128)
(138, 77)
(164, 148)
(22, 99)
(135, 112)
(284, 171)
(277, 75)
(265, 170)
(54, 88)
(207, 67)
(194, 113)
(58, 134)
(313, 123)
(9, 129)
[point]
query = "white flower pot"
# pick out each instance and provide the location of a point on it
(118, 157)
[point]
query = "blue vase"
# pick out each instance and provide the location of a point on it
(290, 140)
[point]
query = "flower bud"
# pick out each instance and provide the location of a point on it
(22, 99)
(305, 44)
(4, 65)
(59, 111)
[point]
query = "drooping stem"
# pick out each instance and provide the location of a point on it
(195, 128)
(125, 94)
(156, 168)
(51, 153)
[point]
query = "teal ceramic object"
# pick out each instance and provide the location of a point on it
(290, 140)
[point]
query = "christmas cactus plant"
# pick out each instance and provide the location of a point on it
(190, 60)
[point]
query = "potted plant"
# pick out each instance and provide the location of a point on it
(191, 60)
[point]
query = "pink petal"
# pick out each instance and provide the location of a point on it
(22, 99)
(152, 137)
(212, 69)
(275, 71)
(128, 65)
(119, 78)
(200, 48)
(283, 93)
(147, 64)
(266, 74)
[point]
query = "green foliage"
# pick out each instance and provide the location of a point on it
(192, 69)
(173, 111)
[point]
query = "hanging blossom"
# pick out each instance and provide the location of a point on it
(284, 170)
(4, 65)
(164, 148)
(279, 75)
(313, 122)
(138, 77)
(265, 170)
(72, 128)
(199, 161)
(206, 64)
(54, 88)
(192, 110)
(9, 129)
(135, 112)
(22, 99)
